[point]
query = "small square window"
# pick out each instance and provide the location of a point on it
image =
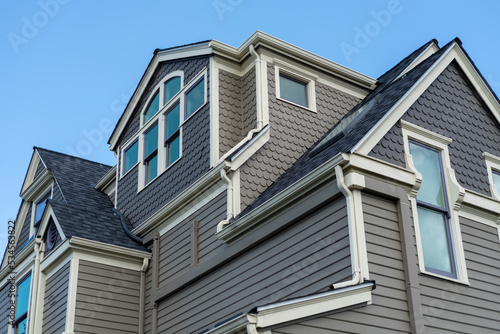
(195, 98)
(293, 90)
(130, 156)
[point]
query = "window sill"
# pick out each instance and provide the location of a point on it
(433, 275)
(296, 104)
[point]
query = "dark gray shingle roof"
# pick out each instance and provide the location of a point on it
(81, 210)
(383, 98)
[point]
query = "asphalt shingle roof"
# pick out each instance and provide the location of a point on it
(81, 210)
(382, 98)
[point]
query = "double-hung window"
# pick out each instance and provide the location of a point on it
(433, 211)
(172, 134)
(22, 303)
(151, 153)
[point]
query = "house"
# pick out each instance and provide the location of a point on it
(265, 189)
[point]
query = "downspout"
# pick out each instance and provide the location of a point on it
(142, 297)
(230, 210)
(36, 277)
(357, 278)
(258, 98)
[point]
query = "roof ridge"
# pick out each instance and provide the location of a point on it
(71, 156)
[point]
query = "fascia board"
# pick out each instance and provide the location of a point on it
(455, 52)
(41, 182)
(107, 179)
(281, 200)
(292, 310)
(260, 38)
(161, 56)
(372, 137)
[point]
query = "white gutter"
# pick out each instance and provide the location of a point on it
(353, 235)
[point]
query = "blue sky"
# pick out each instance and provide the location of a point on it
(68, 67)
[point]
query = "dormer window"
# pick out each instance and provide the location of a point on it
(153, 107)
(158, 144)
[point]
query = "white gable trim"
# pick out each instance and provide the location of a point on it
(454, 52)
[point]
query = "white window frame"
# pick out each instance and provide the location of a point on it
(492, 164)
(431, 139)
(160, 119)
(299, 74)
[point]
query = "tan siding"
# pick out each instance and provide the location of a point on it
(389, 311)
(293, 131)
(107, 299)
(305, 258)
(451, 307)
(55, 301)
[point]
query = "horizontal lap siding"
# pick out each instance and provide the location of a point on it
(107, 299)
(451, 307)
(176, 246)
(55, 301)
(305, 258)
(4, 308)
(389, 311)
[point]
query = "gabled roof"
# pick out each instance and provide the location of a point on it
(80, 209)
(392, 88)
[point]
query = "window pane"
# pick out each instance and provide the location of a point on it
(172, 87)
(151, 141)
(23, 296)
(173, 150)
(151, 169)
(435, 241)
(496, 181)
(153, 108)
(131, 156)
(293, 90)
(173, 121)
(195, 98)
(40, 206)
(428, 163)
(21, 327)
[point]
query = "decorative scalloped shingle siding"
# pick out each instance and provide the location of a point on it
(293, 131)
(451, 108)
(194, 163)
(237, 108)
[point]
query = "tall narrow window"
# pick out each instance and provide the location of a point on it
(22, 302)
(151, 153)
(195, 98)
(153, 107)
(293, 90)
(496, 180)
(172, 87)
(40, 207)
(433, 212)
(130, 156)
(172, 134)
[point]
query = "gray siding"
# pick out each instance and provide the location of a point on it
(107, 299)
(4, 309)
(454, 308)
(305, 258)
(389, 311)
(237, 108)
(55, 301)
(451, 108)
(293, 131)
(176, 246)
(24, 236)
(195, 159)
